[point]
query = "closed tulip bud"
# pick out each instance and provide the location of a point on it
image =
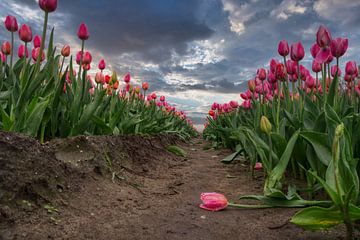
(314, 50)
(116, 85)
(323, 37)
(211, 113)
(310, 82)
(87, 58)
(127, 78)
(339, 46)
(351, 68)
(334, 70)
(273, 64)
(83, 32)
(162, 98)
(78, 57)
(99, 77)
(65, 51)
(48, 5)
(107, 79)
(11, 23)
(233, 104)
(153, 95)
(251, 85)
(35, 53)
(25, 33)
(324, 55)
(280, 72)
(2, 57)
(22, 52)
(102, 64)
(213, 201)
(114, 78)
(6, 48)
(137, 89)
(145, 86)
(37, 41)
(316, 66)
(86, 67)
(265, 125)
(297, 52)
(283, 48)
(261, 74)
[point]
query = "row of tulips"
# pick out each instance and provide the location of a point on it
(46, 97)
(293, 121)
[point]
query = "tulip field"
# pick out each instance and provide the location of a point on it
(301, 124)
(87, 150)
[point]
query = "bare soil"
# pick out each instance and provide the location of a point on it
(129, 187)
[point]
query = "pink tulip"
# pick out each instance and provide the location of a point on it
(273, 64)
(25, 33)
(280, 72)
(102, 64)
(65, 51)
(162, 98)
(48, 5)
(323, 37)
(99, 78)
(339, 46)
(145, 86)
(310, 82)
(316, 66)
(350, 68)
(213, 201)
(283, 48)
(6, 48)
(330, 58)
(251, 85)
(127, 78)
(347, 78)
(87, 58)
(37, 41)
(297, 52)
(291, 67)
(3, 57)
(314, 50)
(22, 52)
(271, 77)
(35, 53)
(233, 104)
(11, 23)
(86, 67)
(324, 55)
(83, 32)
(261, 74)
(78, 57)
(153, 95)
(258, 166)
(335, 69)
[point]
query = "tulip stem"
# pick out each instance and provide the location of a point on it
(278, 108)
(62, 65)
(81, 58)
(12, 50)
(38, 61)
(248, 206)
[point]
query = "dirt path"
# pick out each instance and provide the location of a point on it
(161, 203)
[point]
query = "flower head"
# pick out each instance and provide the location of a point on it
(213, 201)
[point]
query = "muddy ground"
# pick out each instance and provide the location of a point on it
(129, 188)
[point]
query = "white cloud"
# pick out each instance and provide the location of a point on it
(336, 10)
(287, 8)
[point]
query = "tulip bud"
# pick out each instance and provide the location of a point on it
(3, 57)
(83, 32)
(261, 74)
(314, 50)
(65, 51)
(37, 41)
(335, 69)
(86, 67)
(114, 78)
(116, 85)
(297, 52)
(265, 125)
(35, 53)
(233, 104)
(22, 52)
(316, 66)
(213, 201)
(137, 89)
(145, 86)
(338, 47)
(310, 82)
(87, 58)
(48, 5)
(127, 78)
(323, 37)
(283, 48)
(350, 68)
(25, 33)
(273, 64)
(6, 48)
(78, 57)
(11, 23)
(99, 77)
(102, 64)
(162, 98)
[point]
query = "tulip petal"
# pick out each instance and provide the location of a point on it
(323, 55)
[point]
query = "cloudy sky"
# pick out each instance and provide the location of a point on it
(193, 51)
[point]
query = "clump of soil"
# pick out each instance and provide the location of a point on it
(129, 187)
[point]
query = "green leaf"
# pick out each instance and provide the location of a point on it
(319, 142)
(35, 118)
(176, 150)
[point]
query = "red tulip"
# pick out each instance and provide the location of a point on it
(6, 48)
(211, 113)
(35, 53)
(335, 69)
(25, 33)
(162, 98)
(37, 41)
(323, 37)
(261, 73)
(314, 50)
(213, 201)
(145, 86)
(83, 32)
(102, 64)
(127, 78)
(310, 82)
(351, 68)
(153, 95)
(283, 48)
(78, 57)
(48, 5)
(339, 46)
(65, 51)
(297, 52)
(87, 58)
(11, 23)
(86, 67)
(22, 52)
(316, 66)
(107, 79)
